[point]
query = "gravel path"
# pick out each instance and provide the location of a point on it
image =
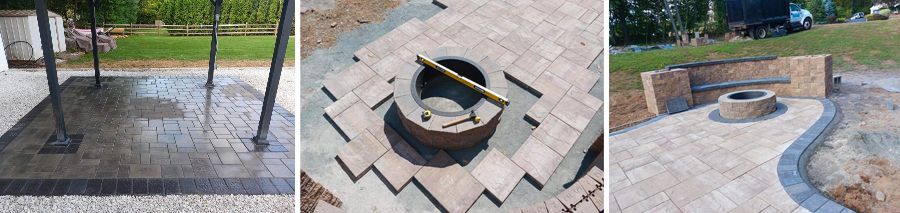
(173, 203)
(21, 90)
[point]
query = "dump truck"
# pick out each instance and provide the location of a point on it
(760, 18)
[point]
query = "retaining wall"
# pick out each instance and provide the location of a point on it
(703, 82)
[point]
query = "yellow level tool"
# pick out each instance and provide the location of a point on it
(465, 81)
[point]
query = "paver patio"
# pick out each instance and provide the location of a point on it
(170, 134)
(687, 162)
(544, 46)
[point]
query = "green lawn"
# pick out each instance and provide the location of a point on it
(871, 45)
(192, 48)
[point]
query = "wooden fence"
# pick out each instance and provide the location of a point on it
(191, 30)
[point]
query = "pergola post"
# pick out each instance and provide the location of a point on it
(214, 46)
(284, 33)
(50, 63)
(93, 6)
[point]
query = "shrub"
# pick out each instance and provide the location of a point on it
(841, 20)
(885, 12)
(874, 17)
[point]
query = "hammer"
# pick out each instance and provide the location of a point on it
(472, 117)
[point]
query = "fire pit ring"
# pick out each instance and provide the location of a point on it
(746, 104)
(420, 89)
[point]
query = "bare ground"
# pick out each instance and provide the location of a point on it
(627, 108)
(857, 164)
(311, 191)
(320, 29)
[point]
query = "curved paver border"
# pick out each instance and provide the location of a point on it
(792, 175)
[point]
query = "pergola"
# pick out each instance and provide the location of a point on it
(283, 34)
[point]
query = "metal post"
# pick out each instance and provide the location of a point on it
(217, 4)
(284, 33)
(50, 63)
(93, 5)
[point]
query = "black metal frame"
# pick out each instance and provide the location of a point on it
(62, 138)
(285, 26)
(214, 46)
(94, 4)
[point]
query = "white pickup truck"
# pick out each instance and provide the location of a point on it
(801, 19)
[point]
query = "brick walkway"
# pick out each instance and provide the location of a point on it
(142, 130)
(545, 46)
(686, 162)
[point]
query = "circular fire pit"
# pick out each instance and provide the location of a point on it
(446, 100)
(746, 104)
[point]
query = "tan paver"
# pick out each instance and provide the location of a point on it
(399, 164)
(356, 118)
(341, 83)
(557, 135)
(325, 207)
(703, 166)
(450, 184)
(523, 38)
(498, 174)
(374, 91)
(538, 160)
(360, 153)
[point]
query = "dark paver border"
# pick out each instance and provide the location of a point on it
(749, 82)
(780, 109)
(147, 186)
(723, 61)
(792, 164)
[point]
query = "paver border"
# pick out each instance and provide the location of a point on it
(151, 186)
(791, 165)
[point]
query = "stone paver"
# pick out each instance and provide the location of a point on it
(686, 162)
(498, 174)
(401, 162)
(156, 129)
(544, 46)
(450, 184)
(360, 153)
(538, 160)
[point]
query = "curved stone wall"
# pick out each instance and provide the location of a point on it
(799, 76)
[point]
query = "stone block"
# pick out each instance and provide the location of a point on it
(538, 160)
(498, 174)
(345, 81)
(374, 92)
(359, 154)
(454, 189)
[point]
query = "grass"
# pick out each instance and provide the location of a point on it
(192, 48)
(870, 45)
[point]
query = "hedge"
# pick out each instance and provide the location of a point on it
(200, 11)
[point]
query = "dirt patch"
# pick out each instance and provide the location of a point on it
(857, 164)
(174, 63)
(627, 108)
(888, 62)
(877, 190)
(311, 191)
(321, 28)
